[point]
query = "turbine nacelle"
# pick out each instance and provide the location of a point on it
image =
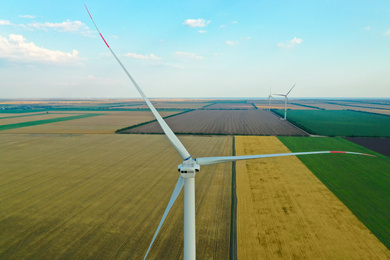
(188, 168)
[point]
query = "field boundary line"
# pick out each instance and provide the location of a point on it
(291, 123)
(121, 130)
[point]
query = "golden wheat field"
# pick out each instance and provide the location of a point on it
(102, 197)
(102, 124)
(285, 212)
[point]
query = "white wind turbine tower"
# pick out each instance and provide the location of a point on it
(188, 170)
(269, 100)
(285, 101)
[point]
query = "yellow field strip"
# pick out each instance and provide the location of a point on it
(102, 197)
(284, 211)
(104, 124)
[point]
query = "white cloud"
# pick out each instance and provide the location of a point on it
(367, 28)
(142, 57)
(387, 32)
(201, 31)
(5, 22)
(114, 36)
(188, 55)
(222, 26)
(232, 43)
(67, 26)
(17, 48)
(92, 77)
(196, 22)
(27, 16)
(290, 43)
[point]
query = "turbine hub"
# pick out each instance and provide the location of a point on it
(188, 168)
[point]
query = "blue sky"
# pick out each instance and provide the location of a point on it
(50, 49)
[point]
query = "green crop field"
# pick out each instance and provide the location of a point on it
(339, 122)
(362, 183)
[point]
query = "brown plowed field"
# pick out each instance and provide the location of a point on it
(245, 122)
(285, 212)
(380, 145)
(102, 197)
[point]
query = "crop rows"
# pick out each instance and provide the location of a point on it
(102, 197)
(285, 212)
(340, 122)
(228, 106)
(99, 124)
(362, 183)
(245, 122)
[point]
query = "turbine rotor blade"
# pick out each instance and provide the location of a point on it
(290, 90)
(167, 130)
(175, 194)
(223, 159)
(283, 95)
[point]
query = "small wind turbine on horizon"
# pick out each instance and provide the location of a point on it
(285, 101)
(188, 169)
(269, 99)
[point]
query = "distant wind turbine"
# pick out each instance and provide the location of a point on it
(285, 101)
(188, 169)
(269, 100)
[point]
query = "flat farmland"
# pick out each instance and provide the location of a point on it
(33, 117)
(285, 212)
(373, 110)
(14, 115)
(173, 105)
(102, 197)
(231, 106)
(102, 124)
(340, 122)
(362, 183)
(276, 104)
(379, 145)
(246, 122)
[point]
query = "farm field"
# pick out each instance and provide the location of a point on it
(276, 104)
(33, 117)
(339, 122)
(101, 196)
(13, 115)
(372, 106)
(48, 120)
(379, 145)
(245, 106)
(362, 104)
(226, 122)
(173, 105)
(285, 212)
(103, 124)
(362, 183)
(372, 110)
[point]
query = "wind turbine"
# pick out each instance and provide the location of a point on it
(188, 170)
(285, 101)
(269, 100)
